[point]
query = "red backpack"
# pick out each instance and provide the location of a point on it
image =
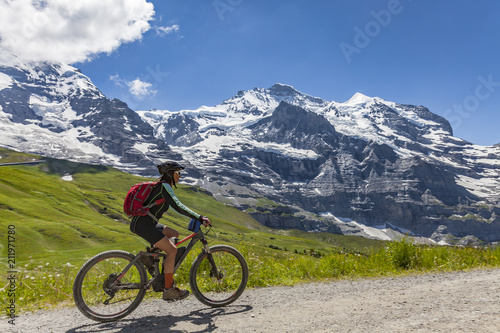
(136, 196)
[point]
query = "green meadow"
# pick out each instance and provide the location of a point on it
(55, 225)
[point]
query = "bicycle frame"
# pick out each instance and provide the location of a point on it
(194, 238)
(217, 277)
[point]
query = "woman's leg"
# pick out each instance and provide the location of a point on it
(169, 232)
(168, 264)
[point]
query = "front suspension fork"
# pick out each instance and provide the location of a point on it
(214, 271)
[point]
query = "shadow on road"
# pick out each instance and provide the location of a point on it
(204, 319)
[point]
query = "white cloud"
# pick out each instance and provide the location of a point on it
(163, 31)
(138, 88)
(117, 80)
(70, 31)
(141, 89)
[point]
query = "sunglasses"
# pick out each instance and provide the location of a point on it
(178, 172)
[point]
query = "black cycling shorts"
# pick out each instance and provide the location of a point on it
(147, 229)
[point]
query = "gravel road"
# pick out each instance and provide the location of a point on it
(447, 302)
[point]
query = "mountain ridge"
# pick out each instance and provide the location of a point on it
(291, 159)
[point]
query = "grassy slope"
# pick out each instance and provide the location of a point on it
(58, 220)
(60, 224)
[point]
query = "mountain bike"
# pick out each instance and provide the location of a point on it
(112, 284)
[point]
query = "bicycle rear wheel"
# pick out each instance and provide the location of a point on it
(93, 290)
(219, 278)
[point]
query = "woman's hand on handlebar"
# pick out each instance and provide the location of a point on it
(205, 221)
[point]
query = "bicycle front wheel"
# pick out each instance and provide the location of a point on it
(218, 278)
(97, 295)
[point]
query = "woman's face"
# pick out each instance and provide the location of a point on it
(177, 175)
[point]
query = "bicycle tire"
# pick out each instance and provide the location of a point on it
(228, 287)
(96, 274)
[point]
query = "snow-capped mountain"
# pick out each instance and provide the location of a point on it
(56, 111)
(323, 163)
(366, 166)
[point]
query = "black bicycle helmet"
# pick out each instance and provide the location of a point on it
(165, 167)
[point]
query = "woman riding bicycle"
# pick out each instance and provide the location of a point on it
(158, 234)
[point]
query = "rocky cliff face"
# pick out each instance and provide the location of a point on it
(366, 166)
(56, 111)
(332, 166)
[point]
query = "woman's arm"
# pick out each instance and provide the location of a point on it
(174, 202)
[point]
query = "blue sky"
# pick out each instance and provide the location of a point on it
(444, 55)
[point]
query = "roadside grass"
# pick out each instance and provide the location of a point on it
(61, 224)
(44, 284)
(272, 268)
